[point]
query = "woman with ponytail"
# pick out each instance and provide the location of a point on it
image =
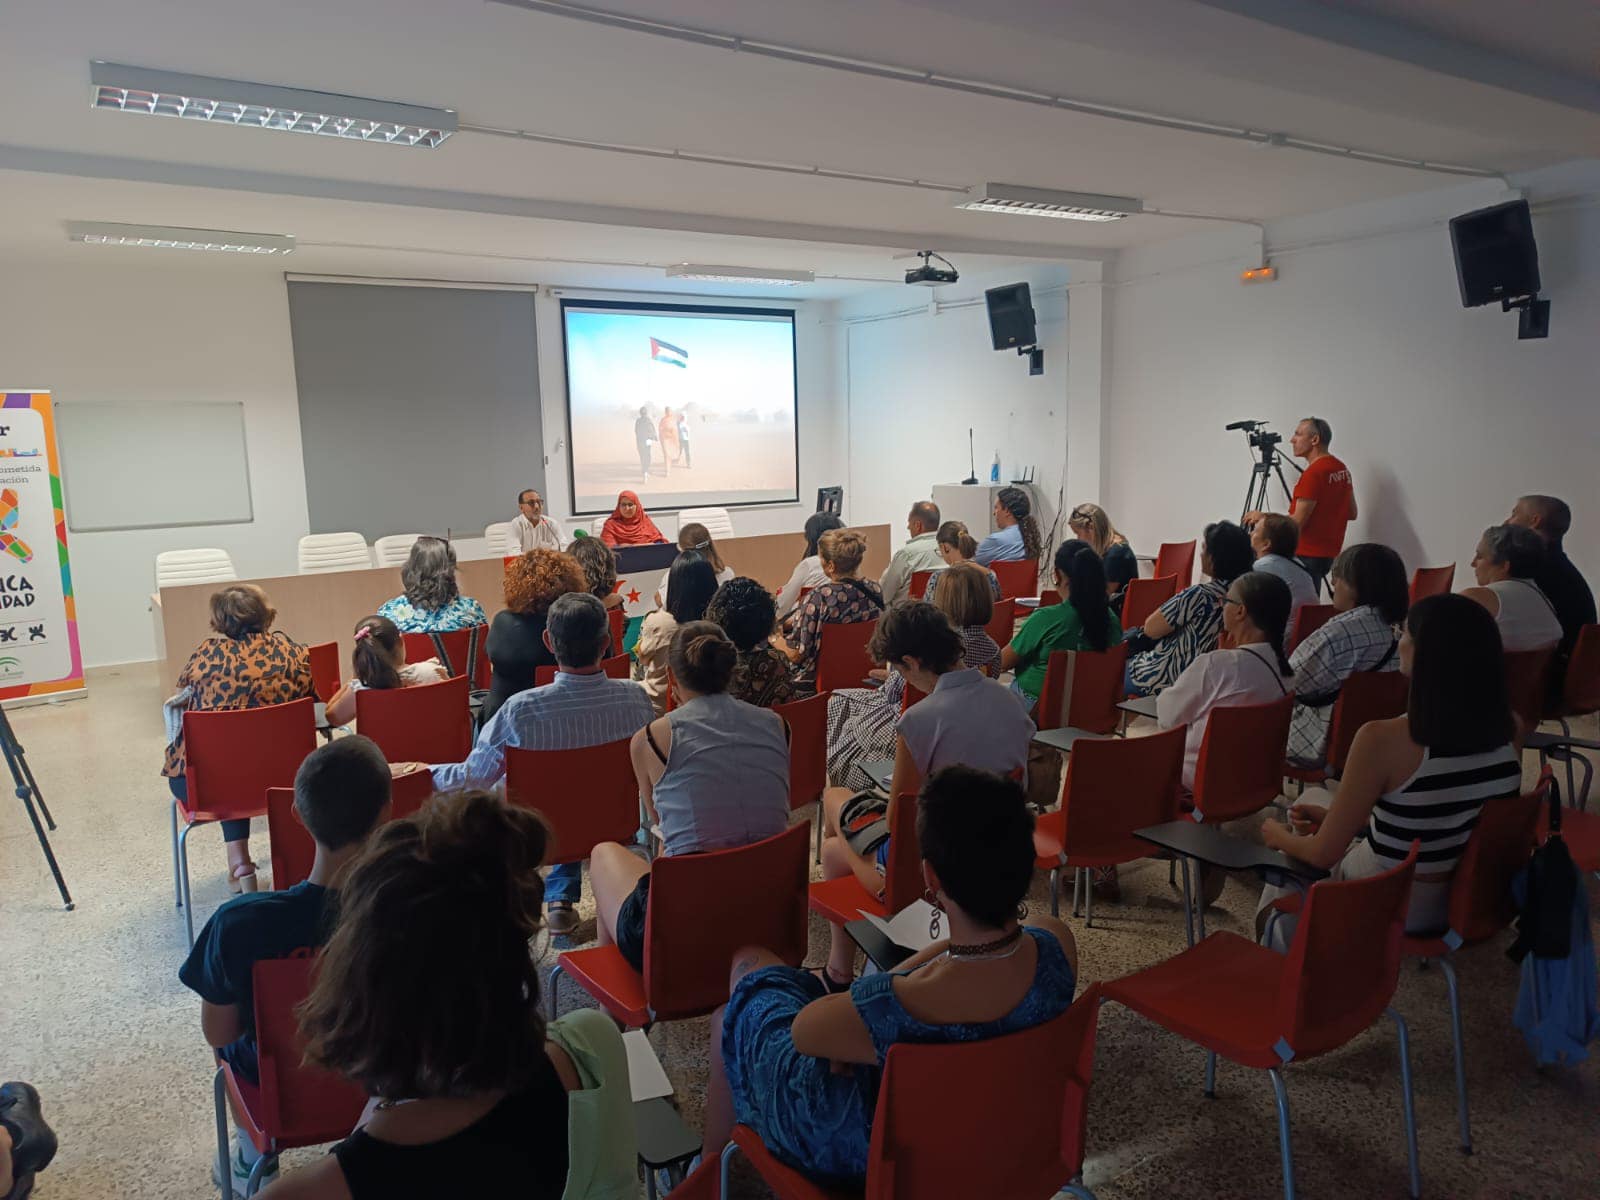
(1082, 621)
(1016, 537)
(379, 661)
(713, 774)
(1255, 670)
(956, 546)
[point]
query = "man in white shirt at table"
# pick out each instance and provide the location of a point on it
(532, 529)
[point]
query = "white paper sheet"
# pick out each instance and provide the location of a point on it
(646, 1078)
(910, 926)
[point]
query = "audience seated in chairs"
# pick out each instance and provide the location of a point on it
(341, 794)
(599, 566)
(963, 718)
(843, 600)
(956, 546)
(713, 774)
(808, 572)
(1188, 625)
(1090, 523)
(582, 708)
(1558, 578)
(747, 614)
(1505, 564)
(921, 553)
(1275, 538)
(428, 999)
(694, 582)
(783, 1048)
(1082, 621)
(1370, 596)
(379, 661)
(432, 601)
(1422, 775)
(517, 647)
(245, 665)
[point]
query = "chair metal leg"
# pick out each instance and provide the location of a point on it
(1462, 1116)
(1199, 901)
(1055, 891)
(1283, 1132)
(1088, 904)
(177, 883)
(1172, 872)
(728, 1152)
(256, 1172)
(1188, 906)
(1211, 1075)
(1410, 1104)
(550, 990)
(1077, 891)
(188, 887)
(219, 1099)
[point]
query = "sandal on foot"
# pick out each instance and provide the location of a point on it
(830, 985)
(242, 878)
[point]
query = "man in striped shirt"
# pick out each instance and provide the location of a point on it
(583, 707)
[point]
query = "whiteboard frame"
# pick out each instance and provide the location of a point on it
(244, 446)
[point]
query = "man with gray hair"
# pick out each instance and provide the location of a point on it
(921, 553)
(1561, 582)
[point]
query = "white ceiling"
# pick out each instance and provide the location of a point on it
(485, 206)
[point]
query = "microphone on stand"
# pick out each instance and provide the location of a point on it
(972, 461)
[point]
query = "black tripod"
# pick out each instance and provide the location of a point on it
(1269, 463)
(28, 792)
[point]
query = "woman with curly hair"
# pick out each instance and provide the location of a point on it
(516, 635)
(599, 567)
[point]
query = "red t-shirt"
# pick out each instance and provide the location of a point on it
(1327, 482)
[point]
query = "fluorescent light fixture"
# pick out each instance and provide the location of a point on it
(165, 237)
(738, 274)
(1045, 202)
(265, 106)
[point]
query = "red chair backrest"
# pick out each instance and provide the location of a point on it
(301, 1105)
(235, 755)
(1044, 1073)
(324, 658)
(1143, 596)
(1501, 843)
(910, 696)
(703, 907)
(1049, 598)
(619, 666)
(842, 659)
(293, 849)
(1432, 581)
(1240, 768)
(1528, 682)
(808, 748)
(586, 796)
(1365, 696)
(1307, 621)
(1344, 960)
(1116, 785)
(619, 628)
(1019, 577)
(902, 873)
(430, 723)
(1177, 559)
(1001, 623)
(1580, 692)
(1082, 689)
(466, 651)
(919, 584)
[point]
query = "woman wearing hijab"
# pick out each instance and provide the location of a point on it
(629, 524)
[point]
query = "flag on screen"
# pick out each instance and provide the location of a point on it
(666, 352)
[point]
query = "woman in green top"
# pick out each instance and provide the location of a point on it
(1082, 621)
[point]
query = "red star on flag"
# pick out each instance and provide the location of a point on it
(633, 596)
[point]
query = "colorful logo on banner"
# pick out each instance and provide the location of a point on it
(39, 653)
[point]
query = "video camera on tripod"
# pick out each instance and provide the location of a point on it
(1269, 461)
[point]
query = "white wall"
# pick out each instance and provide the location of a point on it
(1443, 416)
(918, 379)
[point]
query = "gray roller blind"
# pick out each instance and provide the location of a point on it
(419, 406)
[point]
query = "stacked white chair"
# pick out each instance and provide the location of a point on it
(498, 535)
(716, 520)
(177, 567)
(393, 550)
(333, 552)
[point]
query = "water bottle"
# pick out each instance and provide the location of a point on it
(994, 471)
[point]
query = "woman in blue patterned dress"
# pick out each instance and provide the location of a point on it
(432, 601)
(802, 1068)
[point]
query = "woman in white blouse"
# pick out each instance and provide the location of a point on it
(808, 571)
(1507, 559)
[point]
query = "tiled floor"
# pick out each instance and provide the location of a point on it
(92, 1012)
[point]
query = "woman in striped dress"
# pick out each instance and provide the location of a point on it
(861, 721)
(1423, 776)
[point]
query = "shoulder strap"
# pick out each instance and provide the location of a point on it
(1276, 674)
(438, 649)
(862, 588)
(1394, 644)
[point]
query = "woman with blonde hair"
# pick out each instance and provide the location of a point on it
(1089, 523)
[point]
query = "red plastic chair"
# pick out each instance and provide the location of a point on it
(808, 754)
(1090, 684)
(1261, 1009)
(1528, 683)
(1365, 696)
(919, 584)
(1049, 598)
(1002, 624)
(842, 900)
(1177, 559)
(233, 756)
(586, 796)
(1019, 577)
(842, 657)
(703, 907)
(618, 621)
(1239, 770)
(293, 849)
(1044, 1073)
(1307, 621)
(1112, 787)
(324, 658)
(294, 1104)
(462, 651)
(1579, 696)
(1143, 596)
(430, 723)
(618, 666)
(1432, 581)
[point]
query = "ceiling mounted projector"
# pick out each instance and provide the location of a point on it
(928, 275)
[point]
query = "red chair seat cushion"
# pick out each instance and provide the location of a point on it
(1047, 847)
(843, 899)
(191, 816)
(1581, 832)
(607, 976)
(1221, 994)
(786, 1183)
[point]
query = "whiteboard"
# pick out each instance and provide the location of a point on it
(149, 466)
